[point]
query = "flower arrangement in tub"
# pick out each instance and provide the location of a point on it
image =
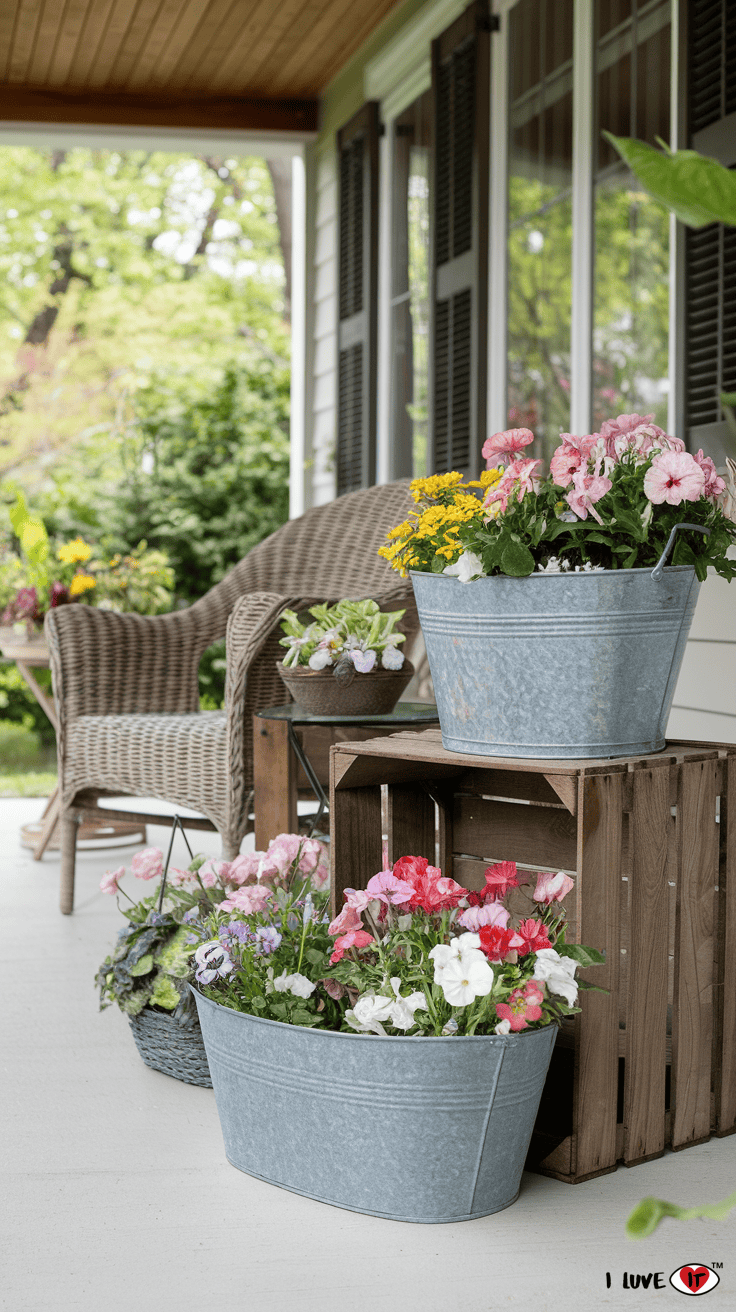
(611, 500)
(350, 637)
(412, 953)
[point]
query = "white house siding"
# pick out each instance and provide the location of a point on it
(320, 481)
(704, 706)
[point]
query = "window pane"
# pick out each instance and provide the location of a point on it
(540, 219)
(630, 347)
(410, 290)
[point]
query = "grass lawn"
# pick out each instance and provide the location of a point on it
(31, 783)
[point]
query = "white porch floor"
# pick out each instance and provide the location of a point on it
(117, 1194)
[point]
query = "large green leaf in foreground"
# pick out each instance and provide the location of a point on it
(697, 189)
(650, 1211)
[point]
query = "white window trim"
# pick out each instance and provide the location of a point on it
(403, 69)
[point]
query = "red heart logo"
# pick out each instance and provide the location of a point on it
(694, 1276)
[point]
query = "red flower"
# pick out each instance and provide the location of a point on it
(500, 944)
(355, 938)
(432, 890)
(534, 934)
(500, 878)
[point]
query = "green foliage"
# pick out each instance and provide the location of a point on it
(19, 706)
(647, 1215)
(19, 746)
(344, 626)
(697, 189)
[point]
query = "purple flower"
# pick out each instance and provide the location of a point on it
(213, 962)
(26, 603)
(267, 940)
(59, 594)
(190, 915)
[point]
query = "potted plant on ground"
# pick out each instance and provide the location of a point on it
(147, 971)
(582, 587)
(392, 1061)
(347, 661)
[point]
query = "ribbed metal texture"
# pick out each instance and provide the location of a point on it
(412, 1129)
(556, 666)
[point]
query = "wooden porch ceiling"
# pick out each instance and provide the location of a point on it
(246, 64)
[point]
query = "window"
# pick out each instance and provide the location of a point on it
(631, 286)
(540, 219)
(410, 289)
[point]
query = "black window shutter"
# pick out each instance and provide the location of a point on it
(357, 148)
(461, 90)
(710, 253)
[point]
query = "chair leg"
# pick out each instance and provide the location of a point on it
(69, 828)
(230, 849)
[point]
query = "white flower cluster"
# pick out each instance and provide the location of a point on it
(373, 1010)
(561, 565)
(462, 970)
(299, 985)
(558, 973)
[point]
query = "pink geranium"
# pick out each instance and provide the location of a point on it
(714, 484)
(356, 938)
(587, 489)
(250, 900)
(523, 1005)
(432, 891)
(245, 868)
(674, 477)
(491, 913)
(148, 864)
(552, 888)
(508, 443)
(111, 879)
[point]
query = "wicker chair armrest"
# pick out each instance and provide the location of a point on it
(105, 663)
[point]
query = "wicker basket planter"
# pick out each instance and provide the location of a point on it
(319, 693)
(406, 1127)
(173, 1048)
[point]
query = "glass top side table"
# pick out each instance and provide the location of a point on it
(277, 751)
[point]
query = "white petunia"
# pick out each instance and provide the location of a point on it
(392, 658)
(465, 978)
(402, 1009)
(558, 974)
(299, 985)
(467, 568)
(320, 659)
(368, 1013)
(503, 1027)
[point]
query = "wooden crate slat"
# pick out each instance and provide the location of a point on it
(505, 831)
(646, 1013)
(692, 1023)
(597, 1037)
(411, 823)
(512, 784)
(725, 1010)
(355, 847)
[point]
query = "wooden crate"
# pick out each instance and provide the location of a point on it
(651, 1063)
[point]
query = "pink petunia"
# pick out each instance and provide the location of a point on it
(250, 900)
(357, 898)
(388, 888)
(564, 463)
(534, 934)
(586, 490)
(508, 443)
(244, 869)
(179, 877)
(623, 426)
(347, 920)
(111, 879)
(491, 913)
(714, 484)
(517, 479)
(148, 864)
(500, 944)
(552, 888)
(674, 477)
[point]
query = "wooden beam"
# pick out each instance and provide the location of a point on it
(19, 104)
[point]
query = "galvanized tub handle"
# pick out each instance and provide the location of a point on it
(696, 528)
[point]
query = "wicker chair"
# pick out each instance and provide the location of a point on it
(126, 685)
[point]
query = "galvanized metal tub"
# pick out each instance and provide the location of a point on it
(413, 1129)
(556, 665)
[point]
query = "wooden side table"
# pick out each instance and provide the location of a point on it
(291, 756)
(39, 835)
(650, 842)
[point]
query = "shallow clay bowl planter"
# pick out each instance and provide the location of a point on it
(319, 693)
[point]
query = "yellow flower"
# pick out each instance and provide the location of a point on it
(71, 552)
(436, 483)
(487, 478)
(81, 583)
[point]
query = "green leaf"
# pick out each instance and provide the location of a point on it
(647, 1215)
(696, 188)
(584, 956)
(165, 993)
(517, 560)
(143, 966)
